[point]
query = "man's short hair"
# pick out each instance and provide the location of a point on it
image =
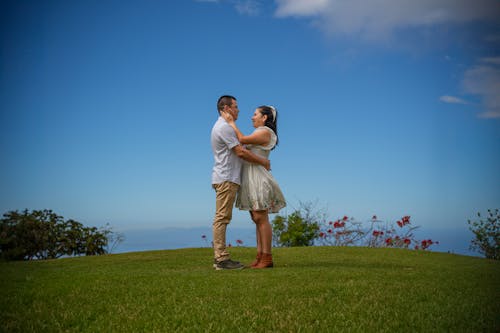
(224, 100)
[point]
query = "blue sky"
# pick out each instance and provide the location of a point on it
(388, 107)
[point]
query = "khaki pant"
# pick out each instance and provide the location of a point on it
(225, 194)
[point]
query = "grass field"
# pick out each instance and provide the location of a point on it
(311, 289)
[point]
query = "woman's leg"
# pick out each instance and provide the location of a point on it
(259, 243)
(257, 235)
(264, 230)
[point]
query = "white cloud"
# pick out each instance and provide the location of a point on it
(492, 38)
(246, 7)
(489, 115)
(452, 100)
(300, 8)
(484, 80)
(493, 60)
(378, 19)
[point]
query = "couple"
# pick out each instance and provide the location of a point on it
(242, 174)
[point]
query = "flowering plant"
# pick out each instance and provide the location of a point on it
(350, 232)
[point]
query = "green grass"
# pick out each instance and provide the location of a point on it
(311, 289)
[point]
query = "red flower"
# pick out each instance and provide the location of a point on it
(405, 220)
(377, 233)
(339, 224)
(239, 241)
(330, 231)
(426, 243)
(388, 241)
(400, 224)
(322, 234)
(407, 241)
(345, 218)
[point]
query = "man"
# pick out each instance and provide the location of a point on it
(228, 153)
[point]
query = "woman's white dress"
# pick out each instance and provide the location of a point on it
(258, 189)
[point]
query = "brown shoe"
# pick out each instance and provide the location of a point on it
(266, 261)
(257, 259)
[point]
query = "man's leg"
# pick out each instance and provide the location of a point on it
(225, 194)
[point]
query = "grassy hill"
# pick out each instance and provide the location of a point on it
(311, 289)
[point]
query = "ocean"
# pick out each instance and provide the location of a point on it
(455, 241)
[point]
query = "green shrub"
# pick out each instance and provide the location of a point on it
(42, 234)
(300, 228)
(487, 234)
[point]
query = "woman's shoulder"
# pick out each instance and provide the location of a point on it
(273, 137)
(265, 128)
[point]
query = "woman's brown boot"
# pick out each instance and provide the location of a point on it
(266, 261)
(257, 259)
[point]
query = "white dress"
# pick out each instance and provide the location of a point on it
(258, 189)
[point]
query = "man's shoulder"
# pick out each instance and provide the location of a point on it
(215, 127)
(217, 124)
(222, 127)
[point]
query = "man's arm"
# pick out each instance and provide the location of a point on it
(248, 156)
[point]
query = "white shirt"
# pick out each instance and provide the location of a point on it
(227, 165)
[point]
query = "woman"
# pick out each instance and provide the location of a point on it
(259, 192)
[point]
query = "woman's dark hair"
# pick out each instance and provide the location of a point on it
(272, 120)
(224, 100)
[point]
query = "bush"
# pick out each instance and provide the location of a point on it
(376, 233)
(309, 226)
(297, 229)
(487, 234)
(42, 234)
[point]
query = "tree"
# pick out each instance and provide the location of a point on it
(487, 234)
(297, 229)
(42, 234)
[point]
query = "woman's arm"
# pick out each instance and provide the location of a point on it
(256, 138)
